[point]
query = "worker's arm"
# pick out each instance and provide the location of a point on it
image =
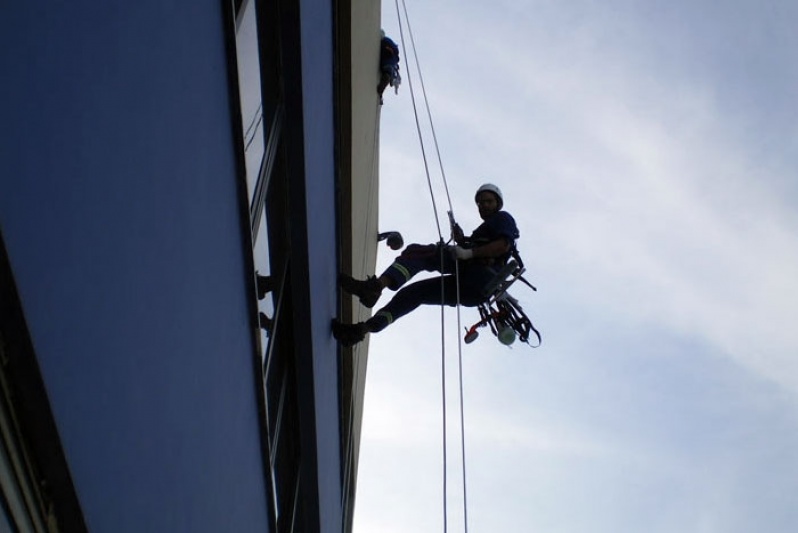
(457, 234)
(495, 248)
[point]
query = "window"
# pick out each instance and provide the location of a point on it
(249, 75)
(258, 61)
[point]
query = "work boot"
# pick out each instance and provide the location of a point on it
(265, 285)
(367, 291)
(348, 334)
(266, 323)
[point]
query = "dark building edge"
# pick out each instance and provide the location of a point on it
(30, 407)
(342, 84)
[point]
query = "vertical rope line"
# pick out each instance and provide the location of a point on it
(372, 181)
(462, 406)
(426, 104)
(457, 264)
(356, 353)
(440, 237)
(443, 389)
(418, 125)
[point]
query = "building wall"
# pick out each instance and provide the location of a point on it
(364, 152)
(120, 208)
(316, 34)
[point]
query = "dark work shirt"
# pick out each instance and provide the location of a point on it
(389, 53)
(499, 225)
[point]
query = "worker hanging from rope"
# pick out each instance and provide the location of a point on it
(389, 65)
(488, 248)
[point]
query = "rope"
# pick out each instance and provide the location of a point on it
(443, 386)
(442, 251)
(356, 353)
(440, 238)
(462, 409)
(426, 104)
(418, 124)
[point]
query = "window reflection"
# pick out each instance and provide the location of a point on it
(250, 93)
(266, 180)
(267, 288)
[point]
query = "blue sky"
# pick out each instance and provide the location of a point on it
(649, 152)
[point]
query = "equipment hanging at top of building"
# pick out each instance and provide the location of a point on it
(389, 66)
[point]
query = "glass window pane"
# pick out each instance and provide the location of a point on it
(263, 267)
(250, 93)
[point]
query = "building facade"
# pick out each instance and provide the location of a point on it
(181, 184)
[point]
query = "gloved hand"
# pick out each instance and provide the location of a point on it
(461, 253)
(457, 234)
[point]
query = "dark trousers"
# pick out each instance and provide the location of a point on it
(434, 291)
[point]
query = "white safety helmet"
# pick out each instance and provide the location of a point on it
(492, 188)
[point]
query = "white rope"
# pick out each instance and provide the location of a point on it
(418, 124)
(457, 269)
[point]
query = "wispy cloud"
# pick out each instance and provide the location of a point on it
(644, 184)
(653, 182)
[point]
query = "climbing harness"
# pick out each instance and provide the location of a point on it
(502, 312)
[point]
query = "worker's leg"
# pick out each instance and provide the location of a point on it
(414, 259)
(433, 291)
(473, 279)
(385, 78)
